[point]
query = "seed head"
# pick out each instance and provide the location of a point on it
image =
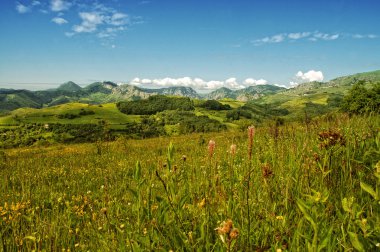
(233, 149)
(104, 210)
(251, 133)
(211, 147)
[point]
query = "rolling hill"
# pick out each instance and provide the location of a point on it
(108, 92)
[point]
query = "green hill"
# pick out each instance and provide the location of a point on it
(315, 98)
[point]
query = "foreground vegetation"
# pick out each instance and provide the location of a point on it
(295, 187)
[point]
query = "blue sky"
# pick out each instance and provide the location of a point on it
(204, 44)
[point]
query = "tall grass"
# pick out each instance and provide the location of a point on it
(313, 187)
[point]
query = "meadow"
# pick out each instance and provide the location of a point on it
(294, 187)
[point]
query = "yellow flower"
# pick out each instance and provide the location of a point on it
(202, 203)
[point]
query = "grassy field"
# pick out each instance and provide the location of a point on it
(304, 187)
(106, 112)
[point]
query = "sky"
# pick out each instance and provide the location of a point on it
(203, 44)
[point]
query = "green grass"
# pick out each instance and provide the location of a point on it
(107, 112)
(297, 193)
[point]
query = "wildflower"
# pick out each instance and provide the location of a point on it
(211, 147)
(227, 233)
(202, 203)
(234, 233)
(226, 228)
(279, 217)
(233, 149)
(266, 170)
(104, 210)
(330, 138)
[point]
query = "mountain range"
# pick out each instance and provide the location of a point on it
(105, 92)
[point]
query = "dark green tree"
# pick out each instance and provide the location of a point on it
(361, 100)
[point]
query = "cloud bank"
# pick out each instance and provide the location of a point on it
(197, 83)
(308, 36)
(311, 75)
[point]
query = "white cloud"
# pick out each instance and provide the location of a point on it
(273, 39)
(364, 36)
(118, 19)
(90, 21)
(36, 3)
(298, 35)
(308, 36)
(325, 36)
(135, 81)
(69, 34)
(293, 84)
(253, 82)
(103, 20)
(232, 83)
(196, 83)
(59, 20)
(22, 8)
(279, 85)
(107, 22)
(59, 5)
(309, 76)
(146, 81)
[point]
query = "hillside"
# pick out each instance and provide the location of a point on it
(95, 93)
(106, 92)
(245, 94)
(315, 98)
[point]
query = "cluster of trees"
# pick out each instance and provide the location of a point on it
(41, 134)
(188, 122)
(183, 121)
(214, 105)
(82, 112)
(361, 100)
(155, 104)
(236, 114)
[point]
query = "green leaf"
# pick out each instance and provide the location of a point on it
(355, 241)
(326, 240)
(368, 189)
(170, 155)
(302, 206)
(138, 170)
(29, 237)
(347, 204)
